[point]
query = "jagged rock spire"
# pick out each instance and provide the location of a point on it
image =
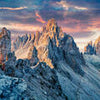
(89, 49)
(51, 26)
(5, 42)
(97, 45)
(93, 48)
(37, 36)
(5, 32)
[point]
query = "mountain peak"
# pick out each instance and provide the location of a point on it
(4, 28)
(5, 32)
(51, 22)
(51, 26)
(5, 42)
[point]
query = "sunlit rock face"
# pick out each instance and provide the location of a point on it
(5, 42)
(21, 41)
(32, 56)
(89, 49)
(54, 45)
(97, 46)
(37, 36)
(22, 45)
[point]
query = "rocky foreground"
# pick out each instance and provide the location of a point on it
(48, 66)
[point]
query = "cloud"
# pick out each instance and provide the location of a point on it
(39, 18)
(66, 6)
(9, 8)
(21, 27)
(63, 4)
(80, 8)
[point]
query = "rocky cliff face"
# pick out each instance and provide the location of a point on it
(22, 45)
(53, 45)
(5, 42)
(21, 41)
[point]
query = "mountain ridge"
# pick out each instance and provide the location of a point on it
(52, 68)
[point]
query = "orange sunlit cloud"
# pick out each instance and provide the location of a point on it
(8, 8)
(39, 18)
(79, 26)
(95, 24)
(80, 8)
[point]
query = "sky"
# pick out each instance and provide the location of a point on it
(79, 18)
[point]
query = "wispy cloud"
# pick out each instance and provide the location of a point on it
(9, 8)
(39, 18)
(63, 4)
(80, 8)
(66, 6)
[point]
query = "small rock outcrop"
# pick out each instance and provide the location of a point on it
(93, 48)
(5, 43)
(89, 49)
(97, 46)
